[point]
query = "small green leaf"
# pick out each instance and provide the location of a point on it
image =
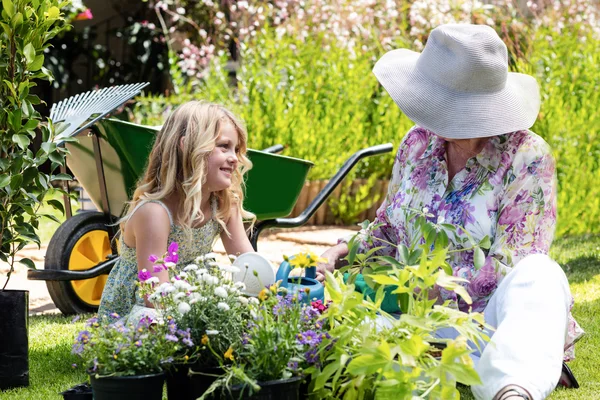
(56, 157)
(17, 20)
(485, 242)
(57, 205)
(22, 140)
(53, 13)
(4, 180)
(478, 258)
(37, 63)
(8, 7)
(61, 177)
(29, 53)
(16, 181)
(28, 263)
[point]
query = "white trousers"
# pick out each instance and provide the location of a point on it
(529, 312)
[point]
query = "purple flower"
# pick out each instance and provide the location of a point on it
(293, 365)
(311, 356)
(172, 253)
(188, 342)
(171, 338)
(83, 337)
(115, 315)
(144, 275)
(158, 268)
(75, 319)
(152, 258)
(167, 360)
(309, 337)
(95, 367)
(484, 282)
(138, 343)
(91, 321)
(77, 348)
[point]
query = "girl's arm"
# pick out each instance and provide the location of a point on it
(150, 226)
(238, 242)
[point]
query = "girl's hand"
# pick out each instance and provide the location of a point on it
(333, 256)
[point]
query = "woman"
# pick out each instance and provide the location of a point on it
(471, 161)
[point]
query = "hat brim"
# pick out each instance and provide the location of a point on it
(453, 114)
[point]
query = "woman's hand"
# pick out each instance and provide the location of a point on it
(333, 256)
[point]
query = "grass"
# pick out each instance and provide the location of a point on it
(50, 336)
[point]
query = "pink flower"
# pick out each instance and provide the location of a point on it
(84, 16)
(172, 253)
(152, 258)
(158, 268)
(144, 275)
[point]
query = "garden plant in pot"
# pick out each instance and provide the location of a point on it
(127, 361)
(373, 354)
(26, 29)
(279, 343)
(203, 299)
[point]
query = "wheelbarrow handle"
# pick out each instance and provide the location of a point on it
(276, 148)
(321, 196)
(61, 275)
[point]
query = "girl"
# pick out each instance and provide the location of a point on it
(190, 193)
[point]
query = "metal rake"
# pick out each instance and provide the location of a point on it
(79, 112)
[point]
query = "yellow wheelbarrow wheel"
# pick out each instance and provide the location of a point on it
(91, 249)
(79, 243)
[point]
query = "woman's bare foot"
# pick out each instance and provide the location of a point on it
(512, 392)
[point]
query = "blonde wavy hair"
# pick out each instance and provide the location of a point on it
(173, 168)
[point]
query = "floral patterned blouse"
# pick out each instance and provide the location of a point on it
(507, 191)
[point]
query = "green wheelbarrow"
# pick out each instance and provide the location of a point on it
(108, 158)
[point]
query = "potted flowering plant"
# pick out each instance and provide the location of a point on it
(279, 343)
(375, 354)
(202, 298)
(128, 361)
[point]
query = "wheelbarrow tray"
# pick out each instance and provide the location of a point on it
(272, 185)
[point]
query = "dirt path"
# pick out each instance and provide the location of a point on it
(273, 245)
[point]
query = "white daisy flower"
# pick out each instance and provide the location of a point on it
(210, 255)
(221, 292)
(191, 267)
(232, 269)
(212, 332)
(243, 300)
(253, 300)
(223, 306)
(183, 308)
(152, 280)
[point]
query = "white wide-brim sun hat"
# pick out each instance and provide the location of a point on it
(459, 87)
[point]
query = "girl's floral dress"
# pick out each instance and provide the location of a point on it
(120, 293)
(507, 192)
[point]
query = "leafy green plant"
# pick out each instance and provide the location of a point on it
(372, 354)
(27, 26)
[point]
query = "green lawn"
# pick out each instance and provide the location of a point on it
(51, 336)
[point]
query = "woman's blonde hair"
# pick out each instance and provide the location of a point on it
(173, 168)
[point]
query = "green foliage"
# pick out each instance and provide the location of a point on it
(27, 26)
(566, 67)
(319, 98)
(372, 354)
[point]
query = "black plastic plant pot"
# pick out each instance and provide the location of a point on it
(14, 355)
(181, 385)
(281, 389)
(137, 387)
(83, 391)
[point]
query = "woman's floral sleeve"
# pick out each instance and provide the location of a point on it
(527, 210)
